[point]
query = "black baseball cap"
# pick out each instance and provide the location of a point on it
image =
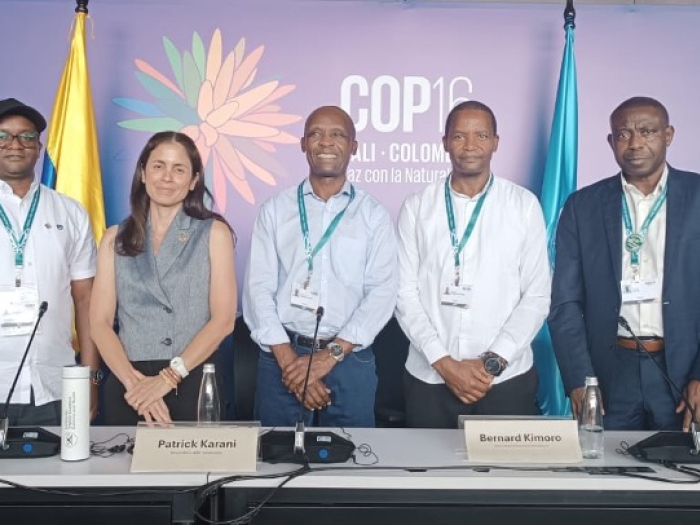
(12, 106)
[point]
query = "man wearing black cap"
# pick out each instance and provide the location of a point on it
(47, 253)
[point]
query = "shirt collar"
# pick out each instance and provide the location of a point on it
(6, 189)
(467, 197)
(632, 190)
(308, 190)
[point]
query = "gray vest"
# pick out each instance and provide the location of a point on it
(163, 300)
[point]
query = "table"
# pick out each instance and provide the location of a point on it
(108, 493)
(348, 495)
(105, 491)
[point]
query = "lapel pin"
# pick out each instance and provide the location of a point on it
(183, 237)
(47, 226)
(59, 226)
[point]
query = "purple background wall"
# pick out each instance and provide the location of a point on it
(406, 56)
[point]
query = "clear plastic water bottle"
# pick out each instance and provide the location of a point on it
(590, 430)
(209, 406)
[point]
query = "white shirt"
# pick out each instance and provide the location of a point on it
(60, 249)
(354, 273)
(505, 262)
(645, 318)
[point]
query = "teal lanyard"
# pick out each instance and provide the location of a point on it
(19, 244)
(458, 246)
(311, 253)
(635, 241)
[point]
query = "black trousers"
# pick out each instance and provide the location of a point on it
(182, 407)
(48, 415)
(434, 406)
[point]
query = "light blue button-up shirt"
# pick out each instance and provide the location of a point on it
(355, 273)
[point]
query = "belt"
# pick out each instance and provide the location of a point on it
(307, 342)
(652, 345)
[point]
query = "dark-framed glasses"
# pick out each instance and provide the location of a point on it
(26, 139)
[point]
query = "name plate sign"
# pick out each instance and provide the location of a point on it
(522, 440)
(192, 448)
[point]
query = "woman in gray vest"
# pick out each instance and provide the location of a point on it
(166, 274)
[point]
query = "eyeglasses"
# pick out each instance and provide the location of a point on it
(26, 139)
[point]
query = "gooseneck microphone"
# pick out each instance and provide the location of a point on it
(299, 446)
(5, 420)
(299, 431)
(666, 441)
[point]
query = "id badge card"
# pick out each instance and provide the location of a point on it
(457, 295)
(633, 291)
(19, 307)
(304, 297)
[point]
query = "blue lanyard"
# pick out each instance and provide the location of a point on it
(18, 244)
(311, 253)
(458, 246)
(635, 240)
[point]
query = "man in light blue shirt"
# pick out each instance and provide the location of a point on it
(323, 243)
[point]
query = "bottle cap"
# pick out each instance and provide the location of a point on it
(591, 381)
(209, 367)
(76, 372)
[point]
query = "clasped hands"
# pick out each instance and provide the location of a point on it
(145, 395)
(318, 396)
(468, 380)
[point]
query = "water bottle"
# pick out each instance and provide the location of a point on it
(209, 407)
(75, 413)
(590, 430)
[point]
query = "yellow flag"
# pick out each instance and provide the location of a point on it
(72, 160)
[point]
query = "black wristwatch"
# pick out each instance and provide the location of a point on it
(96, 376)
(493, 363)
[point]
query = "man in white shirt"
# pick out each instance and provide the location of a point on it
(47, 253)
(323, 243)
(627, 248)
(474, 284)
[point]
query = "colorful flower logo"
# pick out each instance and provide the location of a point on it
(235, 124)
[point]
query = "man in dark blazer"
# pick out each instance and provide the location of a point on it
(629, 246)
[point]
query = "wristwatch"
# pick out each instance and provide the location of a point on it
(336, 351)
(177, 364)
(96, 376)
(493, 363)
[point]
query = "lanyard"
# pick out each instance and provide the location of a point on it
(457, 247)
(19, 244)
(635, 241)
(311, 253)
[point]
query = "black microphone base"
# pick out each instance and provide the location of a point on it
(30, 442)
(673, 447)
(277, 446)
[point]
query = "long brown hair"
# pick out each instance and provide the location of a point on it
(131, 238)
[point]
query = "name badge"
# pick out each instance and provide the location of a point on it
(187, 447)
(521, 440)
(457, 295)
(633, 291)
(303, 297)
(19, 307)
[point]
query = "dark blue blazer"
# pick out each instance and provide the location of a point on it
(586, 284)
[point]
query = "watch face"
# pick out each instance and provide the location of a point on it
(336, 351)
(493, 366)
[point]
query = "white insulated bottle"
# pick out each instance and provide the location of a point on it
(75, 413)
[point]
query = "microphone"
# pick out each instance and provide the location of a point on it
(666, 446)
(311, 447)
(299, 431)
(26, 442)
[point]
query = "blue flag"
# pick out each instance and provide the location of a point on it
(558, 183)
